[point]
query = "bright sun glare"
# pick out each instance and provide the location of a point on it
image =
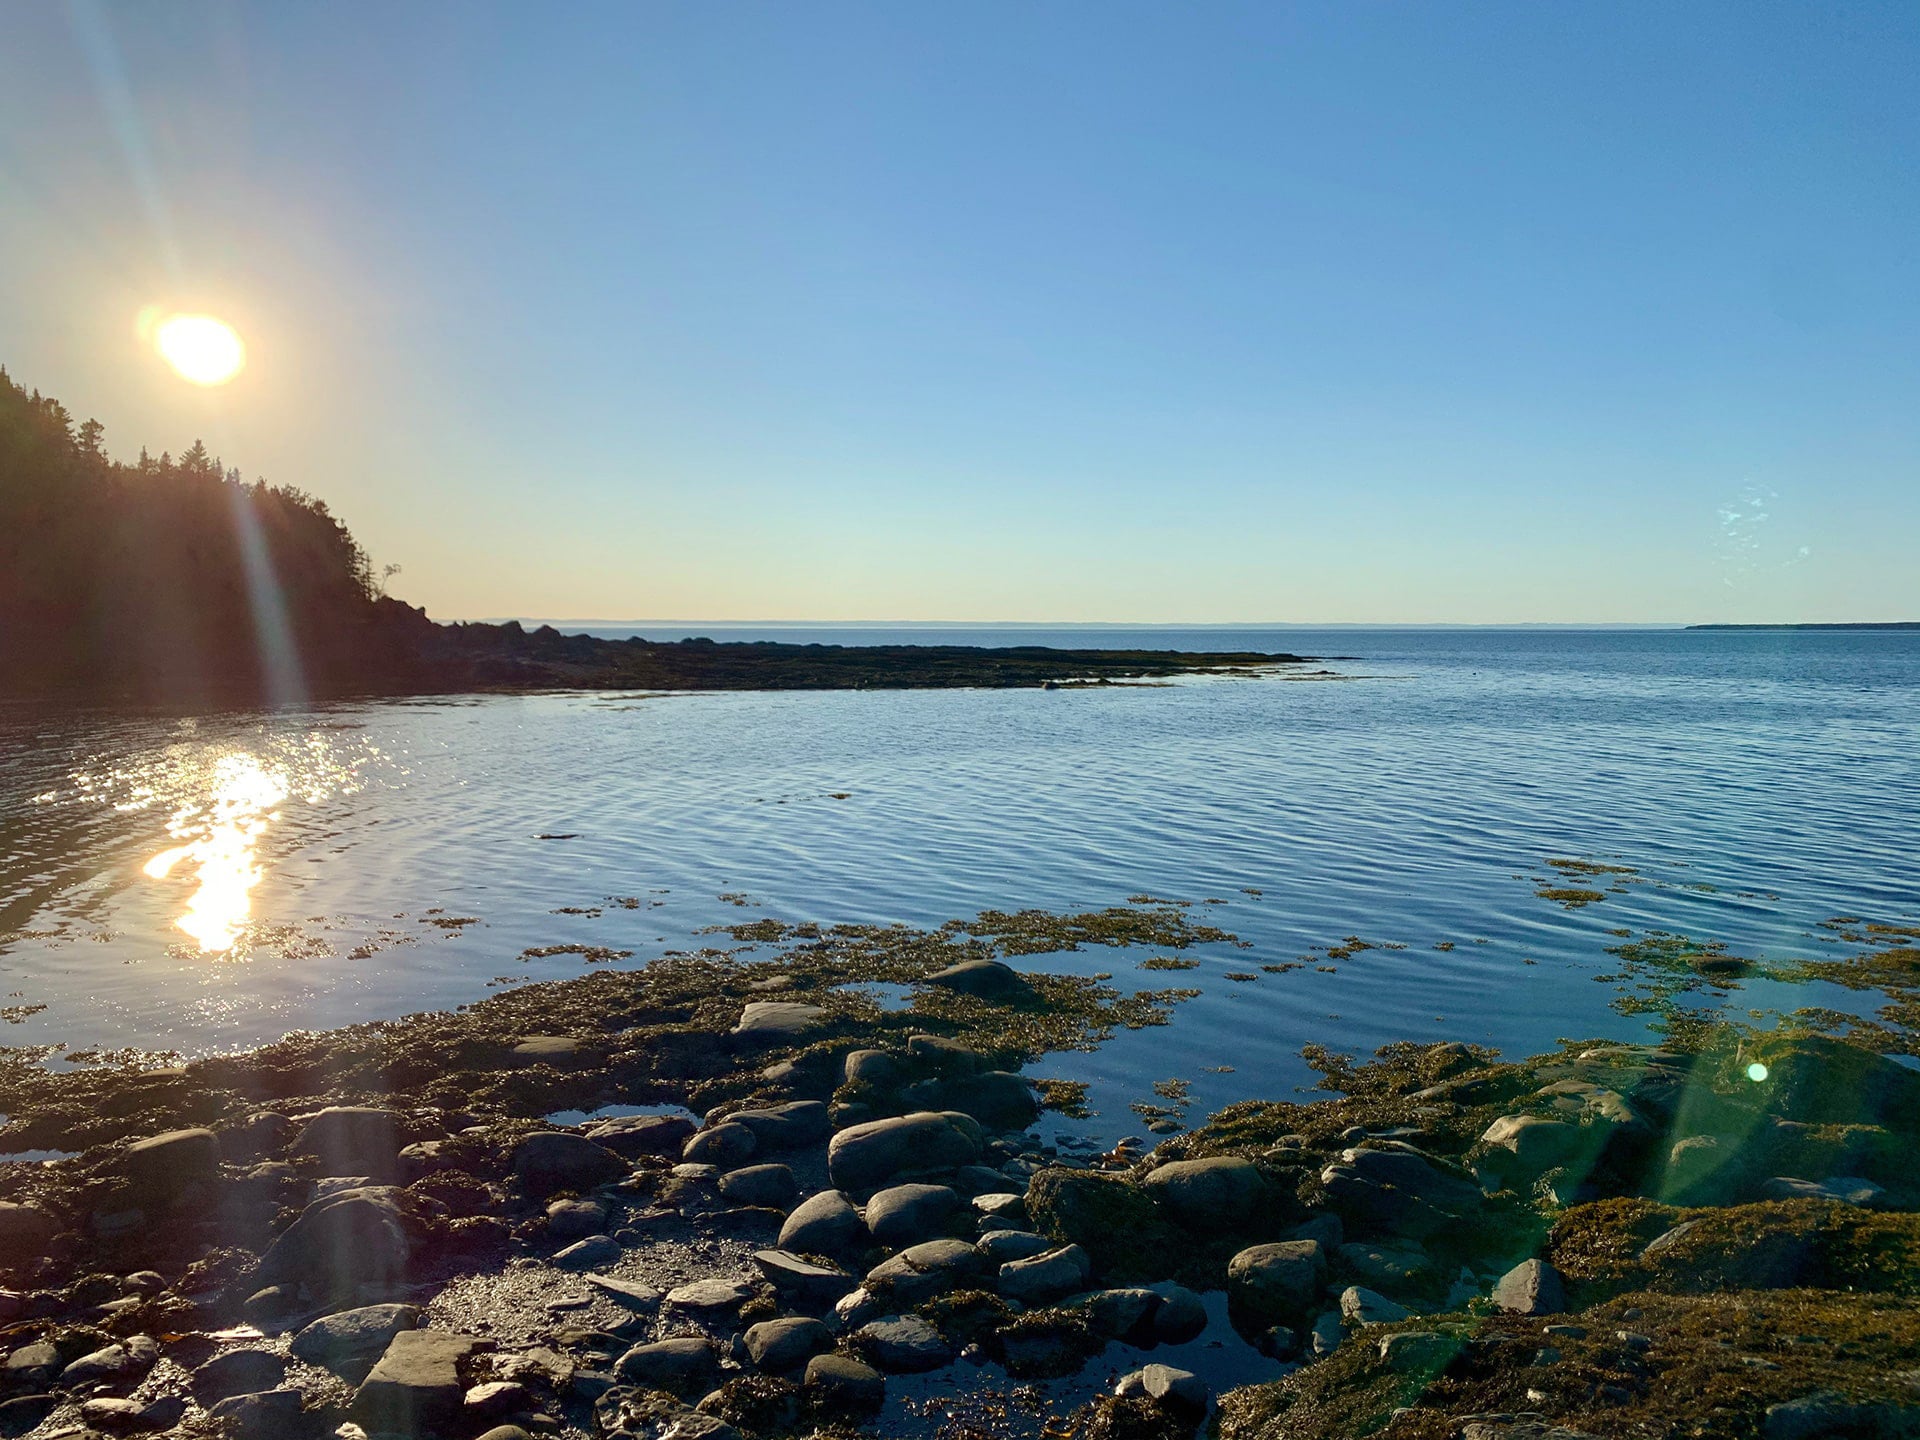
(200, 348)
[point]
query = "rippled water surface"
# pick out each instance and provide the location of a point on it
(190, 884)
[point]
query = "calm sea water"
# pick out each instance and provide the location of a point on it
(195, 884)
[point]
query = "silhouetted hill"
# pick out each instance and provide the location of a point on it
(173, 581)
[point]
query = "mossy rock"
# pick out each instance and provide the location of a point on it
(1603, 1248)
(1827, 1082)
(1643, 1364)
(1108, 1216)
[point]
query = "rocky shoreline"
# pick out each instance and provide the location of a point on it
(818, 1217)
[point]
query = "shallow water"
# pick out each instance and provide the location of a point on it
(195, 884)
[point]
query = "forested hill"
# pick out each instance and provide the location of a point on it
(172, 581)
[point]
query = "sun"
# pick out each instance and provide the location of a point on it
(200, 348)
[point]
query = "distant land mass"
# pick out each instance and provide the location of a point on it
(1821, 625)
(175, 582)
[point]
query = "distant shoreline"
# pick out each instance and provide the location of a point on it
(1821, 625)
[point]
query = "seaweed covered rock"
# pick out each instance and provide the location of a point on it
(367, 1235)
(1109, 1217)
(1221, 1191)
(1277, 1284)
(551, 1160)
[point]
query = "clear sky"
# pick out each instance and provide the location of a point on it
(1106, 311)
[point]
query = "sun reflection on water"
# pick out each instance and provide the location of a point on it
(220, 839)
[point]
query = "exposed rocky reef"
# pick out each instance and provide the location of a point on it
(805, 1215)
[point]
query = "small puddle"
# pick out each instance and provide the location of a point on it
(889, 995)
(616, 1112)
(36, 1157)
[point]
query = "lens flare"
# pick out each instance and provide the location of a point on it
(200, 349)
(1756, 1072)
(221, 837)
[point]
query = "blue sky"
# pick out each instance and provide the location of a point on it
(1394, 312)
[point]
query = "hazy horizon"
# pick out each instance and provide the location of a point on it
(1494, 314)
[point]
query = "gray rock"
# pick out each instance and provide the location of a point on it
(636, 1135)
(110, 1362)
(1179, 1389)
(770, 1185)
(271, 1416)
(786, 1127)
(506, 1432)
(626, 1292)
(1825, 1413)
(839, 1384)
(713, 1295)
(823, 1224)
(593, 1253)
(998, 1099)
(128, 1417)
(787, 1343)
(685, 1365)
(161, 1167)
(24, 1233)
(1120, 1313)
(354, 1140)
(725, 1145)
(857, 1307)
(347, 1343)
(1384, 1265)
(557, 1050)
(1045, 1277)
(904, 1344)
(1532, 1144)
(416, 1385)
(494, 1399)
(1532, 1287)
(1396, 1190)
(801, 1279)
(1418, 1352)
(1182, 1315)
(907, 1214)
(238, 1372)
(1277, 1284)
(1846, 1189)
(1326, 1333)
(864, 1156)
(572, 1219)
(876, 1068)
(32, 1364)
(984, 979)
(1224, 1190)
(920, 1272)
(551, 1160)
(346, 1240)
(1361, 1306)
(773, 1022)
(1001, 1246)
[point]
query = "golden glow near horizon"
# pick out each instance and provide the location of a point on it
(200, 348)
(220, 837)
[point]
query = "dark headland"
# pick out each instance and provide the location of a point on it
(171, 580)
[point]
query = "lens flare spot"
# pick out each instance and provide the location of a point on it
(200, 349)
(1756, 1072)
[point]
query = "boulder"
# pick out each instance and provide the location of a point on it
(904, 1215)
(571, 1219)
(561, 1051)
(787, 1343)
(1418, 1352)
(1045, 1277)
(997, 1247)
(823, 1224)
(594, 1252)
(769, 1185)
(238, 1372)
(685, 1365)
(865, 1156)
(786, 1127)
(354, 1140)
(1360, 1306)
(984, 980)
(1182, 1315)
(841, 1385)
(160, 1168)
(802, 1280)
(875, 1068)
(903, 1344)
(110, 1362)
(126, 1417)
(1523, 1146)
(998, 1099)
(351, 1238)
(713, 1295)
(551, 1160)
(1277, 1284)
(349, 1341)
(632, 1136)
(773, 1022)
(920, 1272)
(1178, 1389)
(1123, 1314)
(1111, 1218)
(416, 1385)
(273, 1415)
(1533, 1287)
(726, 1146)
(24, 1233)
(1396, 1191)
(1223, 1191)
